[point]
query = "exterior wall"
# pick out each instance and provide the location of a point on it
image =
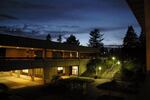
(10, 52)
(66, 54)
(49, 54)
(49, 72)
(82, 65)
(147, 30)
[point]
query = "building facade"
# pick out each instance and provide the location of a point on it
(42, 58)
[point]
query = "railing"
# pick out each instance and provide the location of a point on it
(41, 58)
(10, 63)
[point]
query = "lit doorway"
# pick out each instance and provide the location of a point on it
(75, 70)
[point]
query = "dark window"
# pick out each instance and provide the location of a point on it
(2, 52)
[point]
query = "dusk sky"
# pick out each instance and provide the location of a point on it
(65, 17)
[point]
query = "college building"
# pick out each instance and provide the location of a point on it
(42, 58)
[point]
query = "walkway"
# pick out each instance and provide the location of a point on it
(14, 82)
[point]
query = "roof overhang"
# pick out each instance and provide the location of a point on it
(137, 7)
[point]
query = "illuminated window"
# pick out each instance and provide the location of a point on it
(25, 70)
(74, 70)
(60, 70)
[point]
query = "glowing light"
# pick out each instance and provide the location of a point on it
(113, 58)
(25, 70)
(59, 68)
(118, 62)
(99, 68)
(17, 47)
(75, 67)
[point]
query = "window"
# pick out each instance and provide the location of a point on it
(74, 70)
(60, 70)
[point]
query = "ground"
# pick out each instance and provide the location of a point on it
(24, 81)
(44, 92)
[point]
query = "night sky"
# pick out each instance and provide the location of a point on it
(65, 17)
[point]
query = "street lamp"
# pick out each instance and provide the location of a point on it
(118, 62)
(113, 58)
(100, 68)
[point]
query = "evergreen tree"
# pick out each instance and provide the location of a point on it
(142, 39)
(59, 38)
(142, 50)
(48, 37)
(72, 40)
(96, 39)
(130, 39)
(130, 44)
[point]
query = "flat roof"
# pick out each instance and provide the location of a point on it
(18, 41)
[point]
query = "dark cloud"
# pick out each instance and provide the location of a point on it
(6, 17)
(68, 16)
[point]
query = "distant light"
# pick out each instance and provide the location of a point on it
(17, 47)
(75, 67)
(113, 58)
(118, 62)
(99, 68)
(25, 70)
(59, 68)
(0, 46)
(31, 48)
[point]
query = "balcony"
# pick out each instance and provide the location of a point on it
(27, 63)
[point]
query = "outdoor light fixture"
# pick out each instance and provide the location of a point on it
(99, 68)
(59, 68)
(118, 62)
(113, 58)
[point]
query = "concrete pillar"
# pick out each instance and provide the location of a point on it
(77, 54)
(48, 73)
(18, 73)
(70, 55)
(11, 73)
(32, 74)
(147, 30)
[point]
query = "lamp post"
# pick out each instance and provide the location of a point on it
(113, 58)
(118, 62)
(99, 69)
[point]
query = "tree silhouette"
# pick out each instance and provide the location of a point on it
(142, 39)
(130, 44)
(48, 37)
(72, 40)
(142, 50)
(130, 39)
(59, 38)
(96, 39)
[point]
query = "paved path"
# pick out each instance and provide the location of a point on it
(14, 82)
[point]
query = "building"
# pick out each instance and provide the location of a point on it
(42, 58)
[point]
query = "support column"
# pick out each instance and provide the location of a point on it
(18, 73)
(32, 74)
(147, 30)
(48, 73)
(11, 73)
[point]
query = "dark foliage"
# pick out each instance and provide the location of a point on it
(48, 37)
(130, 44)
(59, 38)
(96, 39)
(72, 40)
